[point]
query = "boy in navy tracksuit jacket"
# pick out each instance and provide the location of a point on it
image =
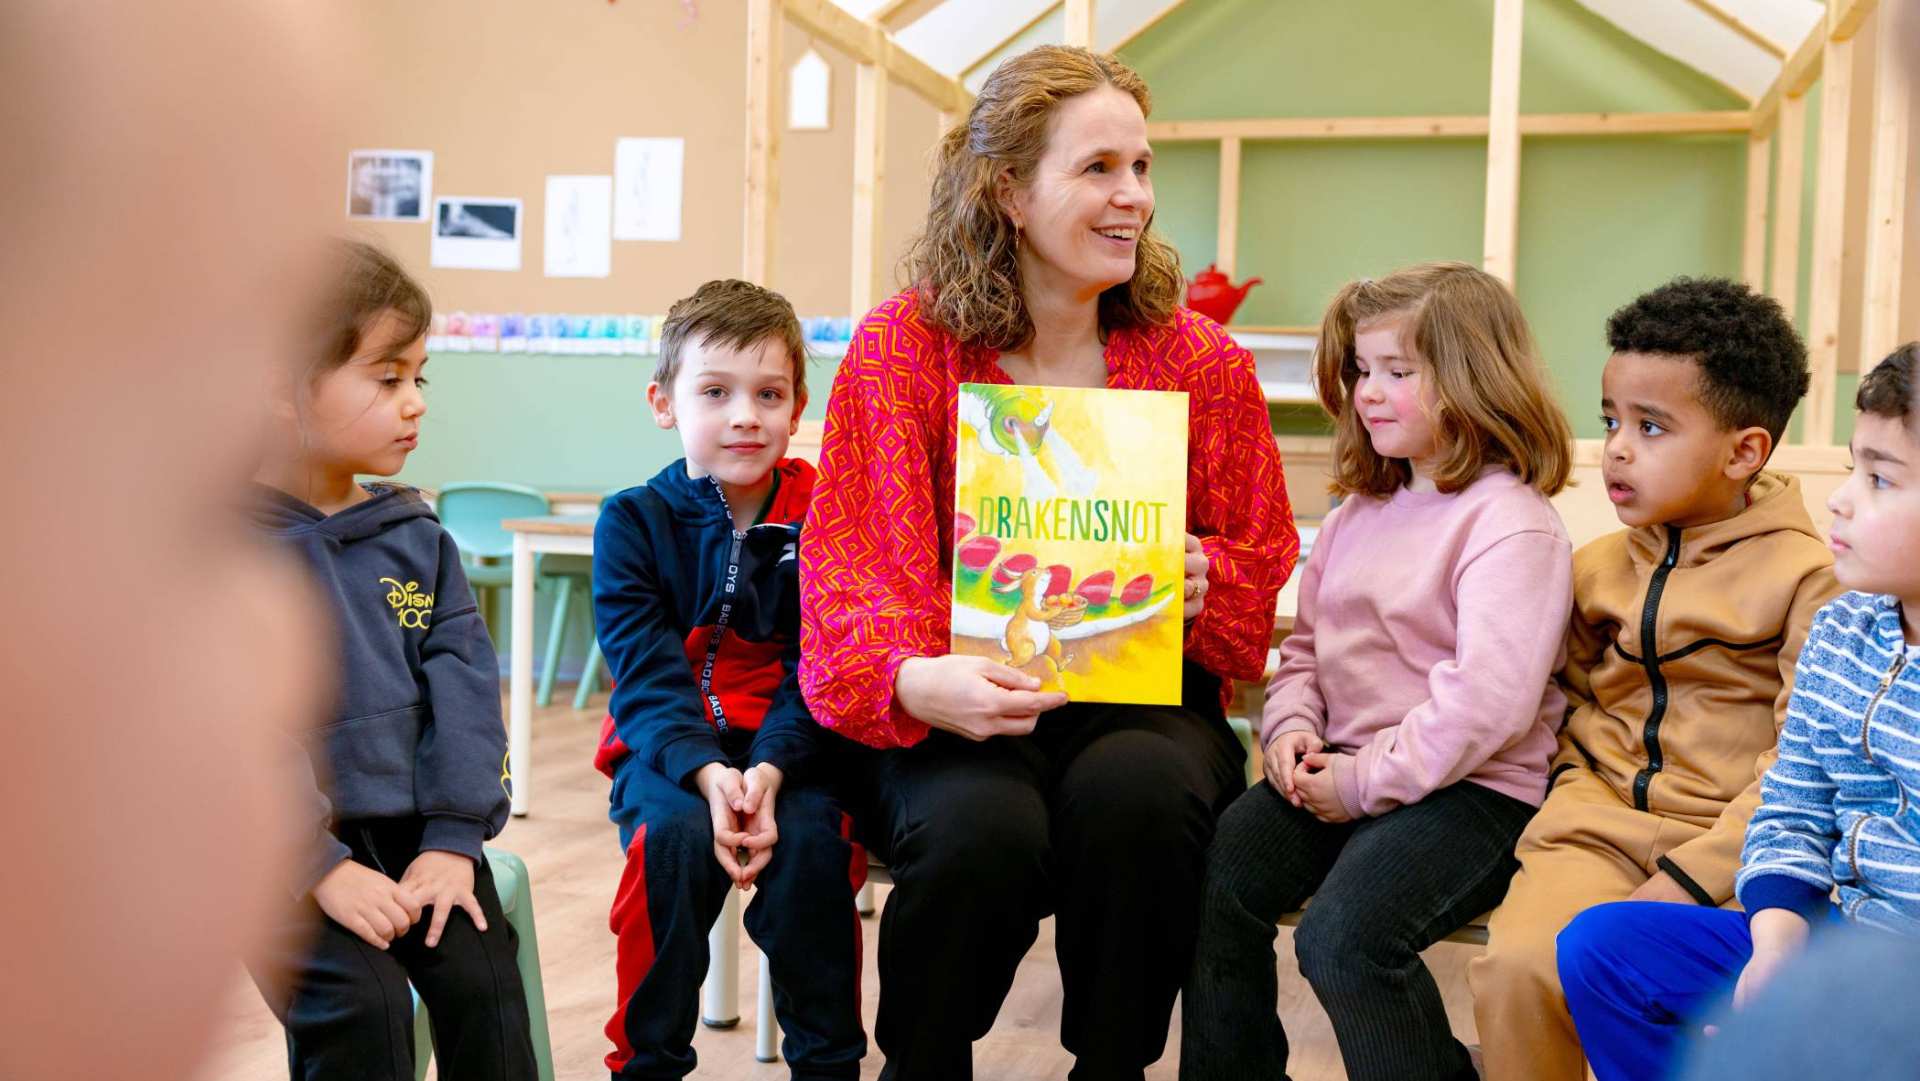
(696, 605)
(392, 887)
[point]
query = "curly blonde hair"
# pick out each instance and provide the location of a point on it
(1492, 405)
(963, 263)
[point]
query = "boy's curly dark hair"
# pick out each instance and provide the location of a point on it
(1887, 390)
(1753, 365)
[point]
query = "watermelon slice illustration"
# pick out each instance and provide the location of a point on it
(1058, 576)
(962, 525)
(1096, 588)
(1137, 590)
(1010, 570)
(977, 554)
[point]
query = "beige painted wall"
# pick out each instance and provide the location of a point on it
(505, 92)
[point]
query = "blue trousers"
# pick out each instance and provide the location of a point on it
(1641, 976)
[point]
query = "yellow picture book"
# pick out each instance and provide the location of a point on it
(1069, 528)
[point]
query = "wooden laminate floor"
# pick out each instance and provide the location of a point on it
(574, 862)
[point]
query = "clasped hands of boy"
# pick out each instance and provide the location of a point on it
(380, 910)
(741, 802)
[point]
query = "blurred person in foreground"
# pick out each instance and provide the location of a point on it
(166, 183)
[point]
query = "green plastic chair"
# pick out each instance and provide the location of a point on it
(471, 512)
(516, 900)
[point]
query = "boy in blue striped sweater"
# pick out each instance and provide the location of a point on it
(1836, 838)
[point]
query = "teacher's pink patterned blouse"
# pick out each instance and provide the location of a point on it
(876, 551)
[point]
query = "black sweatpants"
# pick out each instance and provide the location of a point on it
(1102, 817)
(347, 1006)
(1383, 889)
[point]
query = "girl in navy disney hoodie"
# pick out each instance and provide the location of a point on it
(393, 888)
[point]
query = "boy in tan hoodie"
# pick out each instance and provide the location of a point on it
(1680, 651)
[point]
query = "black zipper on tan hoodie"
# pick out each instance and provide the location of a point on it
(1650, 660)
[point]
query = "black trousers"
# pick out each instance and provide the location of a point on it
(1383, 889)
(1102, 817)
(347, 1006)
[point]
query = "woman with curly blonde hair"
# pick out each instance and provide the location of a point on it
(992, 802)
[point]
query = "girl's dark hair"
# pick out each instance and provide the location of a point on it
(1753, 365)
(1887, 390)
(366, 281)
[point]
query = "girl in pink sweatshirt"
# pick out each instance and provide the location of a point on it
(1408, 728)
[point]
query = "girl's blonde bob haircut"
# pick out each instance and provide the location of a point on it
(1492, 406)
(963, 263)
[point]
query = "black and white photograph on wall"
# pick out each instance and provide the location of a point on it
(472, 233)
(389, 185)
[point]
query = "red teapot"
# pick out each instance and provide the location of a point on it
(1213, 295)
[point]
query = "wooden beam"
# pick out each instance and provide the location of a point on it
(1789, 182)
(1152, 21)
(1797, 76)
(895, 14)
(1728, 19)
(869, 185)
(1829, 242)
(764, 84)
(1503, 143)
(1886, 203)
(1227, 244)
(1727, 121)
(869, 44)
(1351, 127)
(1080, 23)
(1845, 16)
(1753, 242)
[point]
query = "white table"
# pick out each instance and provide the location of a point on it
(570, 534)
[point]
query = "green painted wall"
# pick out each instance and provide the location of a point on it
(1600, 219)
(557, 423)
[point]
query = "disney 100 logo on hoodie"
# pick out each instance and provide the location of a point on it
(413, 608)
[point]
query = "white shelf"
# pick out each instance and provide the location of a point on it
(1288, 392)
(1297, 343)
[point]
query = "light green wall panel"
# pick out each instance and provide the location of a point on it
(1599, 227)
(1848, 386)
(1314, 215)
(557, 423)
(1186, 200)
(1212, 59)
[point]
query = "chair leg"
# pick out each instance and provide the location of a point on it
(422, 1039)
(1243, 729)
(589, 676)
(516, 898)
(766, 1033)
(863, 901)
(720, 995)
(556, 636)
